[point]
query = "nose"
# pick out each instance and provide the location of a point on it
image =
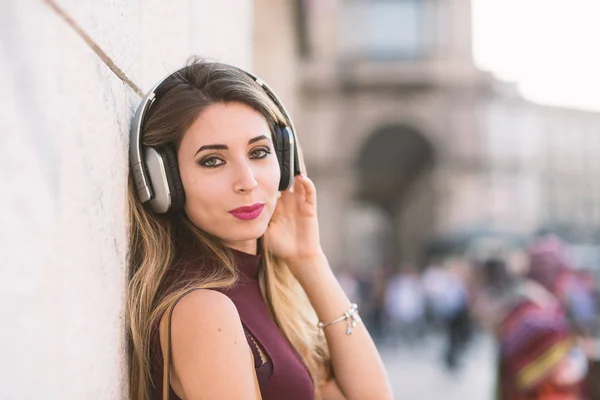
(244, 180)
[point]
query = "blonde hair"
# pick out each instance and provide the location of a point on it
(156, 239)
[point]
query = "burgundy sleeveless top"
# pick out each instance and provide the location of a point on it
(283, 375)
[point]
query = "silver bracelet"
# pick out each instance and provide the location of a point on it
(351, 316)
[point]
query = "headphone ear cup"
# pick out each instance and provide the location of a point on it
(284, 156)
(173, 178)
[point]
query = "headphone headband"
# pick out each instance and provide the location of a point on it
(273, 97)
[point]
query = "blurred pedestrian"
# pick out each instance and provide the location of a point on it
(455, 308)
(405, 306)
(539, 354)
(435, 281)
(376, 321)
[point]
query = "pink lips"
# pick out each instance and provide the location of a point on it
(249, 212)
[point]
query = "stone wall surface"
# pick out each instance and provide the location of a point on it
(71, 75)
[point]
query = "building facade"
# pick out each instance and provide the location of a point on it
(408, 141)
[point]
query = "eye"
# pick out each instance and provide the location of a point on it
(260, 153)
(211, 162)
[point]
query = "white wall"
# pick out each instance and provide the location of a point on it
(69, 71)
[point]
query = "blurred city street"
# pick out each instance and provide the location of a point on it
(454, 149)
(419, 373)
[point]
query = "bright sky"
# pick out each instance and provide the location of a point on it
(551, 48)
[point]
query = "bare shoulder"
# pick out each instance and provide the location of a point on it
(203, 308)
(208, 348)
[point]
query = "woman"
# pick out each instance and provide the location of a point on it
(231, 280)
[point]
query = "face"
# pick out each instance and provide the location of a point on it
(230, 174)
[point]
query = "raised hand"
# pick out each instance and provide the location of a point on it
(293, 233)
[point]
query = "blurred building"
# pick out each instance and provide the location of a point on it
(542, 168)
(407, 141)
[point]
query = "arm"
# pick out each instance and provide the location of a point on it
(209, 349)
(329, 390)
(293, 236)
(356, 363)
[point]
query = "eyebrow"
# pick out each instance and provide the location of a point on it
(224, 147)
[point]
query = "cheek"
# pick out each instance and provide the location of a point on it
(274, 175)
(201, 204)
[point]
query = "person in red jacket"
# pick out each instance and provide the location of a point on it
(539, 354)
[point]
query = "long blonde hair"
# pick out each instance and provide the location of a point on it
(156, 239)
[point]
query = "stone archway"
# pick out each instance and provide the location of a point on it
(395, 169)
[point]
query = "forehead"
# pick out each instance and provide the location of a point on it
(226, 123)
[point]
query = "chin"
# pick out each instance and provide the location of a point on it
(241, 234)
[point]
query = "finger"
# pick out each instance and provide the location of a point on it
(285, 199)
(299, 185)
(306, 187)
(309, 185)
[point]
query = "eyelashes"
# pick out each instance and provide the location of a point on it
(214, 162)
(264, 150)
(210, 162)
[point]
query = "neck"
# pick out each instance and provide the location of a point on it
(247, 246)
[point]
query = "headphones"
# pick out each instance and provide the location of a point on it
(156, 173)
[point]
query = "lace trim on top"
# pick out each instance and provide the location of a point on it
(258, 358)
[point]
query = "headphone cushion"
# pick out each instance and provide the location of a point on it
(283, 151)
(173, 178)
